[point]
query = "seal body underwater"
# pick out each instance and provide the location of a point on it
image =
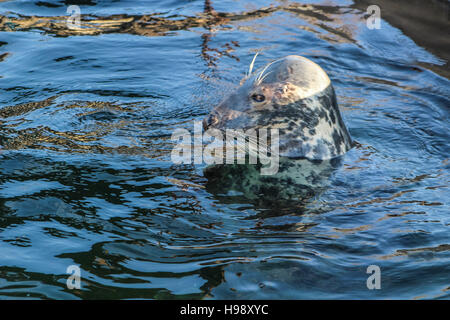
(295, 96)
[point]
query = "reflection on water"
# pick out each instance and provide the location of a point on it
(86, 118)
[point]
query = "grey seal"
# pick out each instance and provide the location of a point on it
(294, 95)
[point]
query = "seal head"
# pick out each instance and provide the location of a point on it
(294, 95)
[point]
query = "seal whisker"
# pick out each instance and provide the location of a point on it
(250, 69)
(253, 144)
(244, 146)
(241, 148)
(257, 80)
(262, 78)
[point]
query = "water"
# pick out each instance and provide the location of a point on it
(86, 177)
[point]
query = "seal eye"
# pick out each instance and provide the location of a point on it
(258, 97)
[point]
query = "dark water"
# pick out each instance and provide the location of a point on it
(86, 177)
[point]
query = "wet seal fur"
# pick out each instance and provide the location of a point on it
(295, 96)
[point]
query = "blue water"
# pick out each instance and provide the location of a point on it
(86, 176)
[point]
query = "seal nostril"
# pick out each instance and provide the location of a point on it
(210, 121)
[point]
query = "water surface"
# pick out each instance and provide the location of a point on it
(86, 177)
